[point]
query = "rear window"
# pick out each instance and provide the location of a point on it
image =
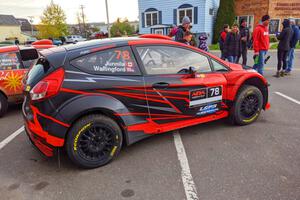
(38, 71)
(116, 61)
(9, 61)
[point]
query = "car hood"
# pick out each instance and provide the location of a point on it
(234, 66)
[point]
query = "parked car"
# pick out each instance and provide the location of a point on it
(12, 71)
(74, 39)
(91, 98)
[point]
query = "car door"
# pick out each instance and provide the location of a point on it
(180, 86)
(11, 73)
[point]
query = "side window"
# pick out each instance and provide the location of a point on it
(9, 61)
(218, 67)
(116, 61)
(172, 60)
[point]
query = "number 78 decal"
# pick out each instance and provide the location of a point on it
(206, 96)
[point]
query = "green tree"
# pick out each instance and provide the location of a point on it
(121, 28)
(53, 22)
(225, 15)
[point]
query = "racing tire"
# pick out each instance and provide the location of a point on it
(94, 141)
(247, 106)
(3, 105)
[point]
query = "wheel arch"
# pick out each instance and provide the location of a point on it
(1, 92)
(260, 84)
(89, 105)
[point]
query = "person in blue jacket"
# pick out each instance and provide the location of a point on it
(294, 40)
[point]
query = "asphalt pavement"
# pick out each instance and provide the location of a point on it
(260, 161)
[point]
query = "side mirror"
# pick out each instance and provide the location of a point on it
(192, 71)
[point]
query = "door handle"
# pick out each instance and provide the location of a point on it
(160, 85)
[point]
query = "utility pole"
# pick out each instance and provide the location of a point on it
(83, 21)
(107, 18)
(31, 21)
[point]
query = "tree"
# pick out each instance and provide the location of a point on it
(225, 15)
(121, 27)
(53, 22)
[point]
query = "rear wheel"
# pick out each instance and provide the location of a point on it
(247, 106)
(3, 105)
(94, 141)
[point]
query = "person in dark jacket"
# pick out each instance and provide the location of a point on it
(222, 38)
(232, 44)
(294, 40)
(283, 47)
(185, 27)
(245, 37)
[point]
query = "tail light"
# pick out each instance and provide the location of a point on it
(48, 86)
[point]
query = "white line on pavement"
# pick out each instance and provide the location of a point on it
(287, 97)
(187, 179)
(11, 137)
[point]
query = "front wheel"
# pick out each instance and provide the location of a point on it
(247, 106)
(3, 105)
(94, 141)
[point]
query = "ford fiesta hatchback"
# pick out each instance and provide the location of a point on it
(91, 98)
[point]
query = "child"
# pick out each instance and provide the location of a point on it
(203, 42)
(188, 37)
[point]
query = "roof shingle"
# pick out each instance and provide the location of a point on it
(8, 20)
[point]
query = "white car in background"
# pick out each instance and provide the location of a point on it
(74, 39)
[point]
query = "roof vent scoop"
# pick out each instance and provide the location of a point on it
(156, 36)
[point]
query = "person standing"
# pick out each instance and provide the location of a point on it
(245, 36)
(283, 47)
(232, 44)
(185, 27)
(203, 42)
(261, 42)
(294, 41)
(222, 38)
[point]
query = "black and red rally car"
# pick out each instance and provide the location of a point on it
(95, 96)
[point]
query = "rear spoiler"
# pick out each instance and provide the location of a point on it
(29, 53)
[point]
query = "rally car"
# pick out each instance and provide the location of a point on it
(12, 71)
(91, 98)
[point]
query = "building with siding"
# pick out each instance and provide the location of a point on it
(10, 28)
(158, 16)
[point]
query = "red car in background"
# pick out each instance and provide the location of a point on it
(12, 71)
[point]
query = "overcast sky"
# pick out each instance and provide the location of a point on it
(94, 9)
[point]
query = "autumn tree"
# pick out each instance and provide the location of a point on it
(121, 28)
(53, 22)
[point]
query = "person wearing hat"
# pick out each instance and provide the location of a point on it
(179, 37)
(245, 36)
(294, 40)
(261, 42)
(283, 47)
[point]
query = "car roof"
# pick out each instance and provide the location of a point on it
(117, 41)
(8, 48)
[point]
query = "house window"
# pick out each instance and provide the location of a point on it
(249, 19)
(151, 18)
(182, 12)
(274, 26)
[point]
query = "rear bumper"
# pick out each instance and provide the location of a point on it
(39, 143)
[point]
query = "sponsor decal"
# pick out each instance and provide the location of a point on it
(208, 109)
(12, 81)
(205, 96)
(79, 133)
